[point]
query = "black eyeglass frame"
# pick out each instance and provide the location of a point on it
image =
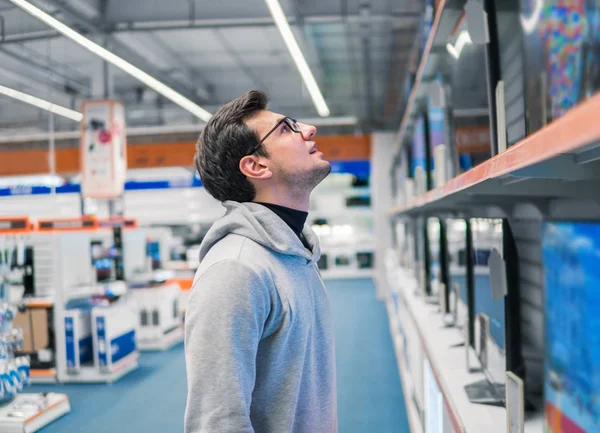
(291, 123)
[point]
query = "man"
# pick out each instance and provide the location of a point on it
(258, 337)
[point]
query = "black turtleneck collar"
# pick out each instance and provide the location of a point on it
(292, 217)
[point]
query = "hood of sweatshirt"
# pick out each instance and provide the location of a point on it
(261, 225)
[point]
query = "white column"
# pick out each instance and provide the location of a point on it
(382, 146)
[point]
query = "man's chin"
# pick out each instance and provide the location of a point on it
(322, 171)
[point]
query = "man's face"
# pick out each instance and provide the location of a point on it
(293, 157)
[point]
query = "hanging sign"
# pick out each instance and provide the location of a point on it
(103, 149)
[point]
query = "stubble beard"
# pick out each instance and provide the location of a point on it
(307, 181)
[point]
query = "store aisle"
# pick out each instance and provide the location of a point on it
(370, 398)
(149, 400)
(152, 399)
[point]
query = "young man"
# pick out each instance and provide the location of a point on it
(258, 333)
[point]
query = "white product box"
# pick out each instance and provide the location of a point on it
(78, 339)
(159, 316)
(114, 333)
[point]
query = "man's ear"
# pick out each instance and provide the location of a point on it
(252, 168)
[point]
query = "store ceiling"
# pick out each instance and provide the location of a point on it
(210, 51)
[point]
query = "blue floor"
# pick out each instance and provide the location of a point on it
(152, 398)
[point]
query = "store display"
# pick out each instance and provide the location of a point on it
(18, 410)
(419, 155)
(422, 267)
(458, 268)
(562, 56)
(435, 117)
(436, 262)
(572, 301)
(160, 325)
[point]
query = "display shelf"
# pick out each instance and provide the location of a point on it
(414, 422)
(169, 340)
(447, 15)
(560, 160)
(43, 376)
(440, 345)
(32, 419)
(93, 375)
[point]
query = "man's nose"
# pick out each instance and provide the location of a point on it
(308, 131)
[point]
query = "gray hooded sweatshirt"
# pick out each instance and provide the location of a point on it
(258, 330)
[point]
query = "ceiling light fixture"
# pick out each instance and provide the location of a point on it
(463, 39)
(292, 45)
(115, 60)
(41, 103)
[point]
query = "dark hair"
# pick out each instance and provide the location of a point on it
(223, 142)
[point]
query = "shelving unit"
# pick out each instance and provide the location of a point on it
(561, 160)
(551, 174)
(446, 17)
(442, 347)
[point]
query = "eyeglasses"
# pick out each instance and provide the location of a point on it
(290, 123)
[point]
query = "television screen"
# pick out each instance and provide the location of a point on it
(153, 251)
(102, 261)
(433, 245)
(435, 117)
(456, 234)
(487, 236)
(422, 257)
(562, 56)
(572, 368)
(418, 149)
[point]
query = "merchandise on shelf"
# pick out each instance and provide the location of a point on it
(562, 56)
(572, 371)
(19, 411)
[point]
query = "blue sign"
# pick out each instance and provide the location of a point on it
(360, 169)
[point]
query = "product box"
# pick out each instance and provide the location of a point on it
(159, 312)
(78, 339)
(34, 323)
(114, 334)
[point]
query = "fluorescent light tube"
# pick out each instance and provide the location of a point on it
(529, 23)
(463, 39)
(112, 58)
(41, 103)
(290, 41)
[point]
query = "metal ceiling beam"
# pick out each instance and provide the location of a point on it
(95, 28)
(224, 24)
(240, 62)
(53, 75)
(166, 25)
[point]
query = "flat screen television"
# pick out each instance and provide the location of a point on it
(420, 151)
(102, 261)
(488, 235)
(438, 261)
(422, 257)
(570, 252)
(435, 117)
(562, 56)
(497, 333)
(153, 252)
(456, 244)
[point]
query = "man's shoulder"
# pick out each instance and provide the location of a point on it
(239, 249)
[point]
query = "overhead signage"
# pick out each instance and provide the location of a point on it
(103, 149)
